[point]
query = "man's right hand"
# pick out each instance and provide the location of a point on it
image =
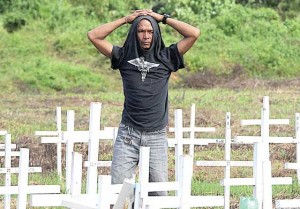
(130, 18)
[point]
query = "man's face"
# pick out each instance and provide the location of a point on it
(145, 34)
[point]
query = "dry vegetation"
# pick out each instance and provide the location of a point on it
(22, 115)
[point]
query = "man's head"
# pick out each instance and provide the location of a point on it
(145, 34)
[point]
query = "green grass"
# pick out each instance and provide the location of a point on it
(23, 114)
(51, 51)
(49, 62)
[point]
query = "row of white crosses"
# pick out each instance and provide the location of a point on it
(85, 136)
(70, 137)
(293, 203)
(22, 189)
(262, 178)
(122, 196)
(61, 199)
(262, 171)
(211, 201)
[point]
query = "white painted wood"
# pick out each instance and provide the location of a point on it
(179, 138)
(56, 200)
(297, 134)
(172, 141)
(23, 179)
(97, 164)
(251, 181)
(186, 168)
(293, 203)
(291, 166)
(31, 189)
(58, 145)
(12, 153)
(163, 186)
(83, 136)
(224, 163)
(262, 173)
(262, 195)
(82, 201)
(48, 200)
(50, 140)
(93, 150)
(12, 146)
(206, 201)
(17, 170)
(289, 203)
(195, 201)
(2, 133)
(104, 186)
(69, 149)
(76, 204)
(196, 129)
(7, 164)
(255, 139)
(228, 160)
(162, 202)
(144, 173)
(271, 122)
(192, 127)
(76, 174)
(267, 187)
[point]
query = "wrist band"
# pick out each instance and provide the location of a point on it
(164, 20)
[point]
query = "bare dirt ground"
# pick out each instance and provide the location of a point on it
(237, 80)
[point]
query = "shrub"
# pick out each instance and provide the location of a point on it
(5, 5)
(14, 21)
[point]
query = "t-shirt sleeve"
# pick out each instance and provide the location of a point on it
(115, 57)
(175, 57)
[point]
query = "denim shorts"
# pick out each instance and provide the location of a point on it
(126, 154)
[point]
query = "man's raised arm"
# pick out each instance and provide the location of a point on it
(97, 35)
(190, 33)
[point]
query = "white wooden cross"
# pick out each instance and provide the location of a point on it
(262, 172)
(296, 165)
(23, 188)
(47, 200)
(227, 163)
(2, 146)
(182, 186)
(180, 141)
(107, 194)
(70, 137)
(191, 141)
(54, 137)
(8, 170)
(92, 137)
(293, 203)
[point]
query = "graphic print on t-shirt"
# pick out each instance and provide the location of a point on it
(142, 66)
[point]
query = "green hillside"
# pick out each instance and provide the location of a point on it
(44, 47)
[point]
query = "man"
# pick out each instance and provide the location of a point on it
(145, 65)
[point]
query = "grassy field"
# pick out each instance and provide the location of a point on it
(22, 115)
(46, 61)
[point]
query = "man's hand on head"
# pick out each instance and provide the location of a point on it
(130, 18)
(156, 16)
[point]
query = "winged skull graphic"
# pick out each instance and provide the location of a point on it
(143, 66)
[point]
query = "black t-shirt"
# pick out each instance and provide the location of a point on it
(145, 75)
(145, 86)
